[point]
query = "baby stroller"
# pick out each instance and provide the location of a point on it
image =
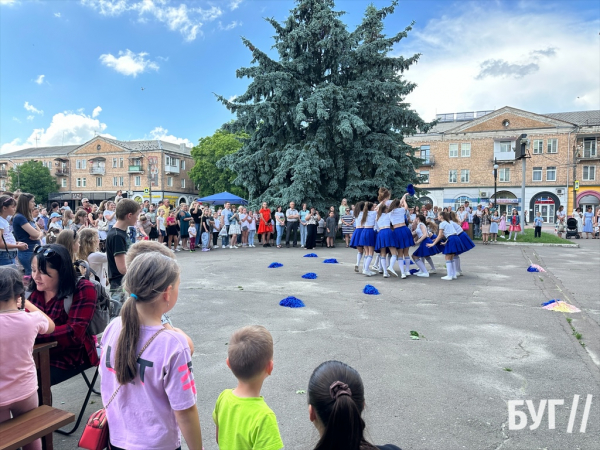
(572, 228)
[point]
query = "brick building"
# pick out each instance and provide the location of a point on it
(101, 166)
(460, 152)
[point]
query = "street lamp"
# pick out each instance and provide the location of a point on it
(18, 173)
(495, 182)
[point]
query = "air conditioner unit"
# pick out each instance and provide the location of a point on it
(560, 191)
(483, 194)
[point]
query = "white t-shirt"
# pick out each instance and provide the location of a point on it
(8, 236)
(217, 225)
(114, 217)
(99, 263)
(447, 228)
(160, 221)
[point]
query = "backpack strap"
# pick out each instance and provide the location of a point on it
(68, 302)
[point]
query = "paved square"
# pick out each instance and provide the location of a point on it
(486, 341)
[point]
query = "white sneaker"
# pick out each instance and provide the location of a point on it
(386, 275)
(502, 237)
(235, 246)
(455, 277)
(374, 268)
(230, 246)
(392, 271)
(380, 270)
(403, 275)
(356, 269)
(447, 278)
(224, 246)
(460, 274)
(368, 273)
(423, 274)
(302, 246)
(433, 271)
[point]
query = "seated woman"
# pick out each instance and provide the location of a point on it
(336, 399)
(53, 279)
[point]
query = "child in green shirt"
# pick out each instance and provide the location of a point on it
(244, 421)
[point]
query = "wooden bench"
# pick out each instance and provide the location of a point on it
(34, 424)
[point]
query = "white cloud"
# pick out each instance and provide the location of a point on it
(40, 79)
(30, 118)
(129, 63)
(57, 15)
(16, 120)
(96, 111)
(234, 4)
(32, 109)
(232, 98)
(7, 2)
(231, 26)
(188, 21)
(482, 56)
(74, 128)
(161, 134)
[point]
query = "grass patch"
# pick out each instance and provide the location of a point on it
(506, 369)
(576, 333)
(546, 238)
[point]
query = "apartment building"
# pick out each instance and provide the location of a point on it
(460, 152)
(101, 166)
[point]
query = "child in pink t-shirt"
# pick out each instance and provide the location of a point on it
(18, 330)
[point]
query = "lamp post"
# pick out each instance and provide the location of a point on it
(18, 173)
(495, 183)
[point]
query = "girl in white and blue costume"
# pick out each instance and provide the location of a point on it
(452, 246)
(404, 238)
(465, 240)
(357, 232)
(383, 196)
(367, 236)
(386, 239)
(423, 251)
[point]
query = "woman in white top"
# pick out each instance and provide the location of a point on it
(386, 239)
(367, 236)
(110, 214)
(8, 244)
(579, 218)
(404, 238)
(243, 215)
(251, 222)
(452, 243)
(280, 222)
(89, 242)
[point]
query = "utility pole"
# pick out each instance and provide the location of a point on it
(523, 145)
(576, 150)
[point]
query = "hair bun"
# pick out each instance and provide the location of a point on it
(338, 388)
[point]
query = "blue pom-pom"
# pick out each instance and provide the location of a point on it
(412, 262)
(275, 265)
(532, 269)
(413, 271)
(310, 276)
(331, 261)
(410, 189)
(549, 302)
(310, 255)
(370, 290)
(292, 302)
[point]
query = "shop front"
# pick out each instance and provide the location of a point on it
(506, 201)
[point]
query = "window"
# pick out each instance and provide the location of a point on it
(538, 146)
(115, 181)
(138, 181)
(552, 145)
(537, 174)
(121, 163)
(505, 146)
(83, 182)
(452, 176)
(78, 182)
(183, 182)
(504, 175)
(78, 164)
(589, 173)
(424, 176)
(460, 201)
(425, 154)
(453, 151)
(465, 150)
(98, 181)
(114, 163)
(136, 162)
(183, 166)
(464, 175)
(121, 181)
(63, 182)
(589, 148)
(169, 181)
(551, 173)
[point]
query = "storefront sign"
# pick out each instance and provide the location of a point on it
(504, 201)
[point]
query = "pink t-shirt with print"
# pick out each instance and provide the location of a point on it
(18, 330)
(141, 416)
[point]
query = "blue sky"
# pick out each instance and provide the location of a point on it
(74, 68)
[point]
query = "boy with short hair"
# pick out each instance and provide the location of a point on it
(117, 241)
(538, 221)
(244, 421)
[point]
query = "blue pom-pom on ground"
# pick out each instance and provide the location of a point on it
(549, 302)
(310, 255)
(292, 302)
(413, 271)
(370, 290)
(331, 261)
(309, 276)
(275, 265)
(532, 269)
(410, 189)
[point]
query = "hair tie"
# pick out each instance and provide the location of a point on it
(134, 296)
(338, 388)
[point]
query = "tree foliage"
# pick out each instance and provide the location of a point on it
(205, 174)
(328, 119)
(35, 178)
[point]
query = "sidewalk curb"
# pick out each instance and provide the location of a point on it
(535, 244)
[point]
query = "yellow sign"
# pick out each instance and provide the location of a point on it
(146, 191)
(576, 185)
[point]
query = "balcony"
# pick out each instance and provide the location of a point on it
(3, 173)
(172, 170)
(135, 169)
(428, 161)
(62, 172)
(98, 170)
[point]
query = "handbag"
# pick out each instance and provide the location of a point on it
(465, 225)
(95, 434)
(102, 225)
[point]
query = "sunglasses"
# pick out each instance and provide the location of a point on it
(45, 251)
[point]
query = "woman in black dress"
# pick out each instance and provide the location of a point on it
(312, 219)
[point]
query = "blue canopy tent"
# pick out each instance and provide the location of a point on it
(222, 198)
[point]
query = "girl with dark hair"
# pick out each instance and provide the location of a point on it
(148, 386)
(386, 240)
(279, 217)
(452, 246)
(465, 240)
(18, 330)
(404, 239)
(8, 244)
(336, 400)
(422, 251)
(367, 236)
(26, 230)
(312, 219)
(53, 279)
(69, 240)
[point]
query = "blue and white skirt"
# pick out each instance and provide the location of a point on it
(453, 246)
(367, 238)
(355, 237)
(424, 251)
(385, 239)
(467, 243)
(404, 238)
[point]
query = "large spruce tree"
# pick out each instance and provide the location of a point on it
(328, 119)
